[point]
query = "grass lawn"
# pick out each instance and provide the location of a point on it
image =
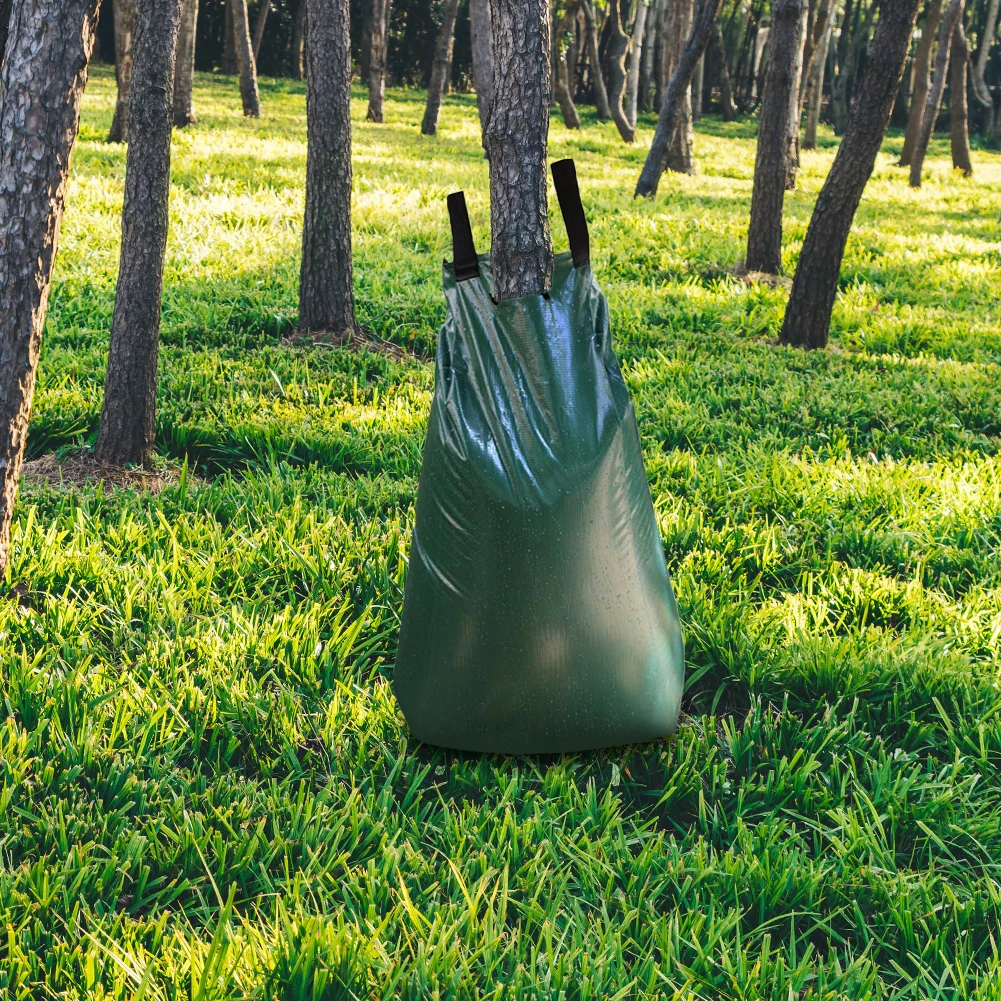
(207, 789)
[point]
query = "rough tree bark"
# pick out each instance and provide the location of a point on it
(440, 66)
(262, 20)
(815, 92)
(326, 299)
(636, 57)
(670, 111)
(811, 299)
(594, 62)
(41, 87)
(377, 61)
(125, 20)
(299, 42)
(229, 65)
(727, 107)
(521, 252)
(775, 129)
(618, 47)
(245, 60)
(680, 156)
(479, 32)
(953, 15)
(129, 411)
(922, 79)
(184, 73)
(959, 112)
(561, 76)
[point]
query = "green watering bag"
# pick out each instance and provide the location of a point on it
(538, 614)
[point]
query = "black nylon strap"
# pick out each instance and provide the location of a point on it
(568, 193)
(466, 263)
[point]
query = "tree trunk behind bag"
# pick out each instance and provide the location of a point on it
(521, 251)
(479, 36)
(778, 105)
(922, 80)
(44, 69)
(125, 21)
(670, 111)
(299, 43)
(959, 112)
(262, 20)
(594, 62)
(326, 299)
(636, 57)
(618, 46)
(727, 107)
(811, 299)
(815, 93)
(184, 72)
(952, 16)
(128, 415)
(377, 61)
(245, 60)
(561, 75)
(439, 67)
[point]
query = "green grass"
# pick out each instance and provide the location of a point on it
(207, 789)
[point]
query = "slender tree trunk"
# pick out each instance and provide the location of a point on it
(648, 78)
(262, 20)
(958, 111)
(953, 16)
(41, 88)
(922, 79)
(818, 17)
(366, 41)
(299, 42)
(561, 82)
(760, 41)
(680, 157)
(326, 299)
(439, 66)
(245, 60)
(697, 81)
(229, 64)
(618, 46)
(125, 19)
(594, 62)
(636, 60)
(5, 6)
(377, 61)
(521, 251)
(796, 104)
(479, 31)
(670, 111)
(775, 129)
(128, 416)
(980, 89)
(811, 299)
(184, 74)
(815, 96)
(725, 90)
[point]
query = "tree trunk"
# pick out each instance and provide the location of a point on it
(670, 111)
(697, 81)
(366, 41)
(811, 299)
(377, 61)
(796, 103)
(922, 79)
(326, 299)
(760, 41)
(128, 416)
(245, 60)
(816, 31)
(775, 129)
(594, 62)
(561, 80)
(646, 99)
(815, 95)
(229, 65)
(440, 66)
(41, 88)
(980, 89)
(618, 46)
(521, 252)
(5, 6)
(953, 16)
(677, 27)
(184, 74)
(725, 90)
(958, 110)
(636, 59)
(262, 20)
(299, 42)
(479, 32)
(125, 20)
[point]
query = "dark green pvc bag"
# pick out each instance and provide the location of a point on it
(538, 614)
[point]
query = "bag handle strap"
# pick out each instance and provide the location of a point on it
(466, 263)
(568, 193)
